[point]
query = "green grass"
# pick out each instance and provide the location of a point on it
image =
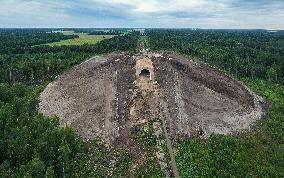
(149, 169)
(259, 153)
(143, 43)
(146, 137)
(121, 170)
(83, 39)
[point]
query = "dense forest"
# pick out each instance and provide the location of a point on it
(19, 42)
(32, 145)
(254, 54)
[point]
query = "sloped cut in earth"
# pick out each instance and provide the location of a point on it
(110, 94)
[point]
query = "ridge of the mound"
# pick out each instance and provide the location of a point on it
(96, 97)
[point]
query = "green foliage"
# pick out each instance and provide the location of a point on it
(254, 54)
(32, 145)
(274, 93)
(49, 172)
(150, 169)
(83, 39)
(253, 154)
(122, 168)
(145, 136)
(5, 170)
(44, 63)
(143, 43)
(15, 42)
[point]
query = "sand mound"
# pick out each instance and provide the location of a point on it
(100, 96)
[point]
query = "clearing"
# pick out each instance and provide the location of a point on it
(84, 38)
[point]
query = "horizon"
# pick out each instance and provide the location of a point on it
(133, 28)
(196, 14)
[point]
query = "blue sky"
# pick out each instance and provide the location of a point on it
(266, 14)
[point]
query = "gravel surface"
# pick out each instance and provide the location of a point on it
(195, 100)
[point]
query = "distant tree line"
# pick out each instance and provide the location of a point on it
(254, 54)
(19, 42)
(35, 64)
(105, 33)
(98, 31)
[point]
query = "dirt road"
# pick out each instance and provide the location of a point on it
(150, 96)
(171, 151)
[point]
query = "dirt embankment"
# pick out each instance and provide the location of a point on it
(202, 100)
(94, 97)
(109, 96)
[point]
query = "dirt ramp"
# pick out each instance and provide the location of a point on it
(92, 96)
(201, 100)
(96, 97)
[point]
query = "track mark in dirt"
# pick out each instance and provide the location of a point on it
(107, 97)
(171, 151)
(145, 81)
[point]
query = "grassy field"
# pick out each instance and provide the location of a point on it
(83, 39)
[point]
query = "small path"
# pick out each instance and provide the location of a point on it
(171, 151)
(143, 44)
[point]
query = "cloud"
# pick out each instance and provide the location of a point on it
(143, 13)
(31, 13)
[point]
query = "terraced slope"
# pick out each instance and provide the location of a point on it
(117, 96)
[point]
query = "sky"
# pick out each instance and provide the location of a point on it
(229, 14)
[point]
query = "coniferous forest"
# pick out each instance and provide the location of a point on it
(32, 145)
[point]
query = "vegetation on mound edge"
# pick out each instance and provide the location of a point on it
(257, 57)
(258, 153)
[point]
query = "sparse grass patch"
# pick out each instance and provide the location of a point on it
(145, 136)
(122, 168)
(149, 169)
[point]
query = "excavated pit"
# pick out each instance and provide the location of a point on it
(108, 94)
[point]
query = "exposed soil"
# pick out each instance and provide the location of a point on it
(109, 96)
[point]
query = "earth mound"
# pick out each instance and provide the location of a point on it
(109, 95)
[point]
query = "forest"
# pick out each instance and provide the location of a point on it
(253, 54)
(32, 145)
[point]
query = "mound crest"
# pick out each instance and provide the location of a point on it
(109, 94)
